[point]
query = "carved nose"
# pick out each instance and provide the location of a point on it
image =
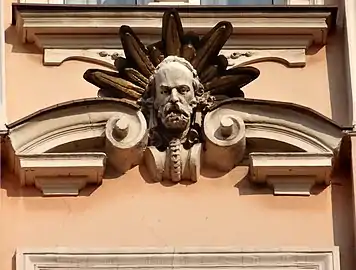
(174, 96)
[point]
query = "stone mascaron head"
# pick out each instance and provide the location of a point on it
(175, 80)
(174, 88)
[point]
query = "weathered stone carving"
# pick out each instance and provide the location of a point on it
(176, 82)
(63, 148)
(126, 138)
(225, 139)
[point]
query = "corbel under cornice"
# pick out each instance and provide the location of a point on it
(86, 33)
(58, 174)
(291, 173)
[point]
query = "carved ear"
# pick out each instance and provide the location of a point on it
(198, 88)
(152, 88)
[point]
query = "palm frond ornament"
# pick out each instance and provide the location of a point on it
(174, 81)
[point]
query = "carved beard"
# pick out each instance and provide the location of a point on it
(175, 116)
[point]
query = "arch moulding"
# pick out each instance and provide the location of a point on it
(63, 148)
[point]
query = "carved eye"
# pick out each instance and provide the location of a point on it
(165, 90)
(184, 89)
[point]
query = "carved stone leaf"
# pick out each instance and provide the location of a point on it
(172, 33)
(136, 51)
(110, 80)
(211, 44)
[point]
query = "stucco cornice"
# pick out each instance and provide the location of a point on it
(88, 33)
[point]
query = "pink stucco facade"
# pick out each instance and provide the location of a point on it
(220, 210)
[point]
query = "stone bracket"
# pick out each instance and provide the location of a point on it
(61, 174)
(60, 185)
(291, 173)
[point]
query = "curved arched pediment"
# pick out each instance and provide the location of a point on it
(283, 122)
(67, 123)
(63, 137)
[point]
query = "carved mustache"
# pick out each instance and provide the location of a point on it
(176, 108)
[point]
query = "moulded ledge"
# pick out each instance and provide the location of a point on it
(291, 173)
(291, 57)
(260, 34)
(61, 173)
(179, 258)
(38, 20)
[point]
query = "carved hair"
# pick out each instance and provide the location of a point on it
(197, 85)
(180, 60)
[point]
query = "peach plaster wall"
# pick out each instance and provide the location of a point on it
(30, 86)
(128, 211)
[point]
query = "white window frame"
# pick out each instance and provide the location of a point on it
(190, 2)
(305, 2)
(181, 258)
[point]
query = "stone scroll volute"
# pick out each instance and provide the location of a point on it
(225, 139)
(126, 138)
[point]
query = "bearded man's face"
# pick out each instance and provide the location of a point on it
(174, 97)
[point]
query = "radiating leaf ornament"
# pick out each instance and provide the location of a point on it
(172, 33)
(211, 44)
(175, 82)
(131, 80)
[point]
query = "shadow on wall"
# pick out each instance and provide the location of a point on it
(12, 38)
(342, 206)
(339, 95)
(11, 184)
(342, 201)
(246, 187)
